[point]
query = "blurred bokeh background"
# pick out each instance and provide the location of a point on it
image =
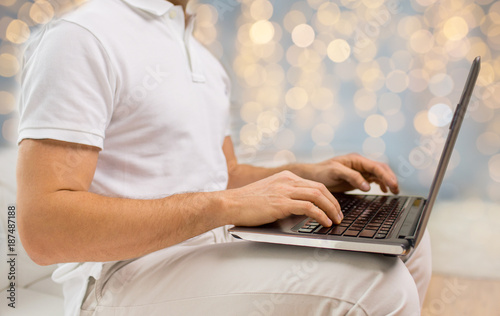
(318, 78)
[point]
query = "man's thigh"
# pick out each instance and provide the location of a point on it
(245, 278)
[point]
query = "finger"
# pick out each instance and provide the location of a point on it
(299, 207)
(353, 177)
(323, 189)
(383, 187)
(296, 181)
(379, 170)
(395, 187)
(318, 198)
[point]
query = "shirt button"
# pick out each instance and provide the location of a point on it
(172, 14)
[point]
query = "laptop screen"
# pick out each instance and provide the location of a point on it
(450, 142)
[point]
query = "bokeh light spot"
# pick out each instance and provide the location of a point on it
(494, 167)
(7, 102)
(389, 103)
(9, 130)
(41, 12)
(375, 125)
(455, 28)
(261, 10)
(292, 19)
(365, 100)
(397, 81)
(322, 134)
(303, 35)
(9, 65)
(250, 134)
(338, 50)
(488, 143)
(374, 147)
(422, 124)
(422, 41)
(261, 32)
(440, 114)
(328, 13)
(441, 85)
(18, 32)
(250, 111)
(296, 98)
(7, 3)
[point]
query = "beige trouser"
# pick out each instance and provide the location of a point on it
(209, 275)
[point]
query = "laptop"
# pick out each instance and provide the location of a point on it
(390, 225)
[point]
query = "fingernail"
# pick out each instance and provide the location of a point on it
(365, 186)
(330, 223)
(340, 217)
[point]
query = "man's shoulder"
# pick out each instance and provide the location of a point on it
(110, 25)
(100, 16)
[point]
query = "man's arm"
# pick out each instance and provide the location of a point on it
(338, 174)
(60, 221)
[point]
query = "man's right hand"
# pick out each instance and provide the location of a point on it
(279, 196)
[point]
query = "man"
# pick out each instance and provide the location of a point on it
(123, 127)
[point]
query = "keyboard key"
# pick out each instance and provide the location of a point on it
(306, 230)
(358, 225)
(310, 223)
(364, 216)
(322, 230)
(337, 230)
(368, 233)
(351, 233)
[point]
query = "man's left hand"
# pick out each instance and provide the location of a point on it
(349, 172)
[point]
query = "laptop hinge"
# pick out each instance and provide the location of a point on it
(411, 240)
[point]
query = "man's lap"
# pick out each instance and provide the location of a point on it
(249, 278)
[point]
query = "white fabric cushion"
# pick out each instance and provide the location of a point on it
(31, 302)
(47, 286)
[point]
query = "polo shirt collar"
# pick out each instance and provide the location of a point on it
(156, 7)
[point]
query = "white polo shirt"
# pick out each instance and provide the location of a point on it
(127, 76)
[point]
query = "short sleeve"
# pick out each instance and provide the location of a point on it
(67, 86)
(228, 88)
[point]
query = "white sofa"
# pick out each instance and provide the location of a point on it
(36, 293)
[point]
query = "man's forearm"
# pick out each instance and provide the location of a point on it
(242, 174)
(68, 226)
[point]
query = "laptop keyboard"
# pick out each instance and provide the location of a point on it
(365, 216)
